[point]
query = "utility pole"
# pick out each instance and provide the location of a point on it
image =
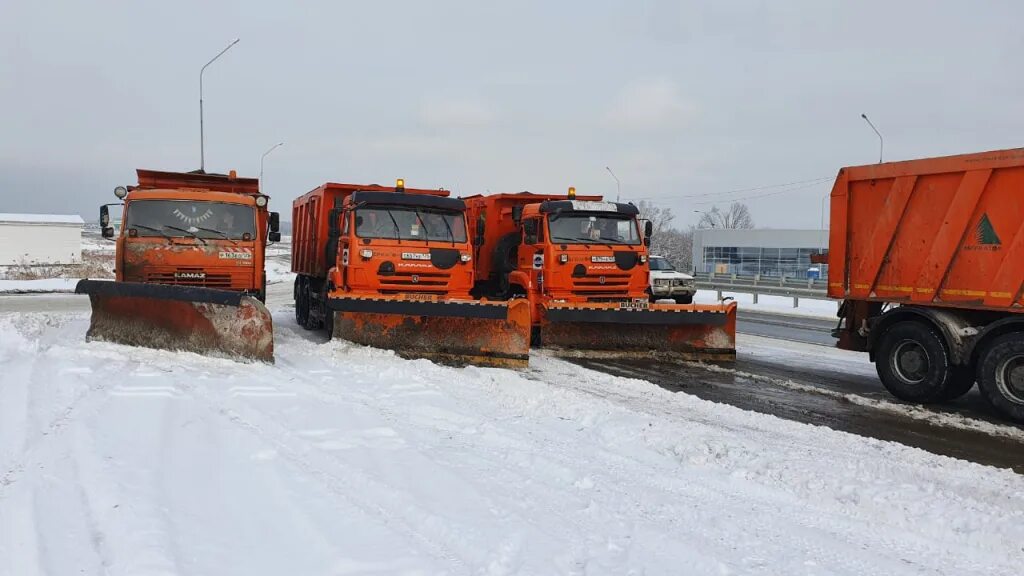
(202, 139)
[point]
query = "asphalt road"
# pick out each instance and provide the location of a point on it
(808, 330)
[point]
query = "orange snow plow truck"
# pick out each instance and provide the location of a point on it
(582, 265)
(189, 267)
(391, 267)
(927, 257)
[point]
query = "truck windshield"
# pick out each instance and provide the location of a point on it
(186, 218)
(586, 228)
(408, 223)
(661, 264)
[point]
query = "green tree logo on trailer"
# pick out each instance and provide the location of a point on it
(985, 236)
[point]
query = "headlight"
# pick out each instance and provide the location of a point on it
(661, 282)
(261, 201)
(563, 258)
(464, 257)
(643, 258)
(366, 253)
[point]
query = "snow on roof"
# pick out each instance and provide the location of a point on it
(42, 218)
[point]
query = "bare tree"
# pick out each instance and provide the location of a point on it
(661, 218)
(736, 217)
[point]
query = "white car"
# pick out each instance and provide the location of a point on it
(667, 282)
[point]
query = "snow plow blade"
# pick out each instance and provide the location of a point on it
(447, 331)
(679, 331)
(203, 320)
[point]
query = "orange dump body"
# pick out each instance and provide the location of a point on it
(189, 268)
(392, 268)
(946, 232)
(584, 270)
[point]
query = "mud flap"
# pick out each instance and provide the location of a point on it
(447, 331)
(203, 320)
(679, 331)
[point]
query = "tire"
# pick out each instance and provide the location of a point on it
(912, 363)
(688, 299)
(1001, 376)
(506, 253)
(961, 380)
(301, 306)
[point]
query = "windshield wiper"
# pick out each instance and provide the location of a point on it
(449, 227)
(398, 234)
(426, 231)
(189, 232)
(222, 234)
(573, 239)
(158, 230)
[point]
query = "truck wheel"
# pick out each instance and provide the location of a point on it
(1001, 376)
(961, 380)
(301, 307)
(687, 299)
(912, 363)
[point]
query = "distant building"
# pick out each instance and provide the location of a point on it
(40, 239)
(767, 252)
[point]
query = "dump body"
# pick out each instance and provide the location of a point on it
(392, 267)
(937, 232)
(928, 258)
(189, 266)
(582, 264)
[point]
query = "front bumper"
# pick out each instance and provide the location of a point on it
(673, 290)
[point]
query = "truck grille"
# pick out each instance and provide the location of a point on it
(415, 283)
(188, 277)
(615, 287)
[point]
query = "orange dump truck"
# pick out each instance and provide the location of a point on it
(582, 264)
(928, 259)
(189, 266)
(392, 267)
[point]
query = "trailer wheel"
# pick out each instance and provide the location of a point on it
(912, 363)
(1001, 376)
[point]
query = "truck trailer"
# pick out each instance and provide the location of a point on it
(391, 267)
(189, 266)
(927, 257)
(582, 263)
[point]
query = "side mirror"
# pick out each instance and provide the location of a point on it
(648, 228)
(530, 231)
(108, 232)
(274, 236)
(275, 222)
(104, 216)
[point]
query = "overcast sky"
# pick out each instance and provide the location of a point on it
(683, 100)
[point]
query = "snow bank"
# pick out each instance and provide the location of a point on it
(345, 459)
(774, 304)
(34, 286)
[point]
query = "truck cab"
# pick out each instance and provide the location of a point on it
(199, 230)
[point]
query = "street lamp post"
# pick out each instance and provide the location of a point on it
(881, 142)
(618, 185)
(202, 140)
(271, 149)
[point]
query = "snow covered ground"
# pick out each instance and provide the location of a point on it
(774, 304)
(341, 459)
(38, 286)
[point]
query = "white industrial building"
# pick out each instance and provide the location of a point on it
(763, 251)
(36, 239)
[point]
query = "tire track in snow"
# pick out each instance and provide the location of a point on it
(340, 486)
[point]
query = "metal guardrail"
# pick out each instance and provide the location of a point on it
(794, 288)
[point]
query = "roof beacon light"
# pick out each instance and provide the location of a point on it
(572, 192)
(400, 185)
